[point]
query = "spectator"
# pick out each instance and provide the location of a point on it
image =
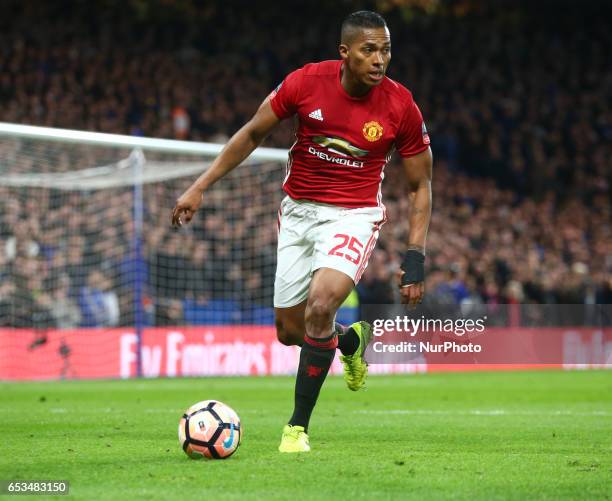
(518, 118)
(63, 308)
(376, 285)
(99, 304)
(169, 312)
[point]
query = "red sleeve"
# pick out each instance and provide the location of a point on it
(412, 137)
(284, 99)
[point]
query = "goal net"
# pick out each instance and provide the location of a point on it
(86, 233)
(86, 244)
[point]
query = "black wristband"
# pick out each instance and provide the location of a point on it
(413, 267)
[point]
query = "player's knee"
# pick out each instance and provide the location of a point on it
(319, 311)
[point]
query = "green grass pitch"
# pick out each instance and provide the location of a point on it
(522, 435)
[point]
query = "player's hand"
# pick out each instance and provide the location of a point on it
(411, 278)
(411, 294)
(186, 206)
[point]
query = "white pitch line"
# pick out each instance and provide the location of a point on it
(482, 412)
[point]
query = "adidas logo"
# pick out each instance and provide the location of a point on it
(316, 114)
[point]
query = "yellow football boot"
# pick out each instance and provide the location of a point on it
(355, 366)
(294, 439)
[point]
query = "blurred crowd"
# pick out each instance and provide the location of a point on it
(516, 103)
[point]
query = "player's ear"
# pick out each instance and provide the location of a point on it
(343, 50)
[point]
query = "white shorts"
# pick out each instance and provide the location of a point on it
(314, 235)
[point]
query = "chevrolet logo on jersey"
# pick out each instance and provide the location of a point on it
(340, 146)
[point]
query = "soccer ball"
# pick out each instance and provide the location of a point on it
(209, 429)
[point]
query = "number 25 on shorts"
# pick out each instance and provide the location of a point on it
(352, 245)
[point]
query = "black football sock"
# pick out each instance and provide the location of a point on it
(316, 358)
(348, 340)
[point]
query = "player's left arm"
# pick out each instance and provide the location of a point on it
(418, 170)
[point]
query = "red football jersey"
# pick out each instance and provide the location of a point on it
(343, 142)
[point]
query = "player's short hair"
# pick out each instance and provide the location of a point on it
(359, 20)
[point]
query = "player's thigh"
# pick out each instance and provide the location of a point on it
(294, 257)
(329, 288)
(346, 243)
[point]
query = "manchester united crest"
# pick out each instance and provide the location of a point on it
(372, 131)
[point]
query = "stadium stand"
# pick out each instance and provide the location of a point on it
(521, 138)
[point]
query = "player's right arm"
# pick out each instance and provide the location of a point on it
(413, 145)
(239, 147)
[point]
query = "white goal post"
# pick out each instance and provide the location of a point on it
(123, 141)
